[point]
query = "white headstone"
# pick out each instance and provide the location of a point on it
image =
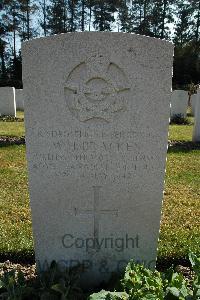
(196, 129)
(7, 101)
(179, 103)
(194, 100)
(19, 97)
(96, 131)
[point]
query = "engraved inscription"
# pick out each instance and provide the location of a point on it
(96, 212)
(88, 154)
(96, 90)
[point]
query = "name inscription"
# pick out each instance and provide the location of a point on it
(94, 154)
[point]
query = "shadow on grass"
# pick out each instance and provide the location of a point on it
(19, 257)
(182, 146)
(28, 257)
(164, 263)
(9, 141)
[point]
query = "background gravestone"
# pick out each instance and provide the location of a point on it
(193, 103)
(194, 100)
(7, 101)
(19, 97)
(97, 115)
(179, 103)
(196, 129)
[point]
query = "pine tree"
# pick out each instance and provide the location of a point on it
(182, 33)
(124, 17)
(43, 22)
(104, 14)
(73, 15)
(2, 50)
(10, 27)
(140, 16)
(161, 17)
(195, 4)
(56, 17)
(28, 9)
(11, 19)
(82, 6)
(90, 4)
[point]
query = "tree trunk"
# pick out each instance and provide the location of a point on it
(44, 14)
(198, 24)
(72, 15)
(145, 16)
(163, 18)
(64, 16)
(83, 16)
(27, 20)
(101, 23)
(2, 55)
(90, 15)
(14, 38)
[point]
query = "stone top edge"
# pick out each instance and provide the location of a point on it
(90, 33)
(7, 87)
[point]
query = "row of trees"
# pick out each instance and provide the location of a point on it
(176, 20)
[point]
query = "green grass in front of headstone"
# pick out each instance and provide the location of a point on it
(15, 226)
(179, 228)
(181, 132)
(20, 114)
(13, 128)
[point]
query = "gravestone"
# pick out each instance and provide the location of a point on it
(193, 104)
(194, 100)
(96, 133)
(7, 101)
(196, 129)
(19, 97)
(179, 103)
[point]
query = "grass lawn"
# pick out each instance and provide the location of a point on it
(20, 114)
(180, 132)
(13, 128)
(180, 227)
(15, 226)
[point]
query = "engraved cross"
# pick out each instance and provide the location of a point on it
(96, 212)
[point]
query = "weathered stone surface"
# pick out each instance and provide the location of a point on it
(179, 103)
(19, 97)
(96, 115)
(196, 129)
(7, 101)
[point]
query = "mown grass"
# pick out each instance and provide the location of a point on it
(180, 132)
(20, 114)
(13, 128)
(180, 227)
(15, 226)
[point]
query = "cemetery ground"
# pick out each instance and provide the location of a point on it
(180, 230)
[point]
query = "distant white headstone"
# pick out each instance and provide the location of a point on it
(7, 101)
(196, 129)
(194, 99)
(19, 97)
(96, 133)
(179, 103)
